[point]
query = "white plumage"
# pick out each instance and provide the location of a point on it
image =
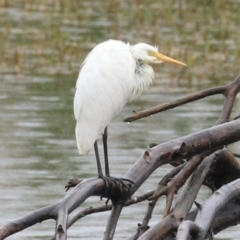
(112, 74)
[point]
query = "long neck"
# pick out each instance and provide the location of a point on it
(144, 76)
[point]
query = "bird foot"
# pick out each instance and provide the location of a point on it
(116, 189)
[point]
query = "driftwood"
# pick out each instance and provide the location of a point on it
(200, 158)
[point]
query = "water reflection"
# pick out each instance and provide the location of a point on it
(42, 46)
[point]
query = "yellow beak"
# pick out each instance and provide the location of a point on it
(164, 58)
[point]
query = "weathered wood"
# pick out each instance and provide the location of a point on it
(230, 89)
(182, 148)
(58, 211)
(184, 202)
(207, 213)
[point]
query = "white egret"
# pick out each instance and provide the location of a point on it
(112, 74)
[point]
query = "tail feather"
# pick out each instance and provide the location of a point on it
(85, 137)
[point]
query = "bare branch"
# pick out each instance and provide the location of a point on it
(58, 211)
(183, 204)
(228, 90)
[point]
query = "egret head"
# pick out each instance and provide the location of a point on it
(150, 55)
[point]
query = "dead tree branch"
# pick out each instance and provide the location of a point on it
(152, 203)
(184, 202)
(176, 182)
(58, 211)
(104, 208)
(230, 89)
(230, 93)
(180, 148)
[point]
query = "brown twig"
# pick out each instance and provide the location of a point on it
(152, 203)
(176, 182)
(231, 88)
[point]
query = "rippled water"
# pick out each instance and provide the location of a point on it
(38, 152)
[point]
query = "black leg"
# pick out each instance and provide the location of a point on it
(100, 174)
(104, 138)
(115, 188)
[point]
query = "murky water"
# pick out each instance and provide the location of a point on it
(40, 64)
